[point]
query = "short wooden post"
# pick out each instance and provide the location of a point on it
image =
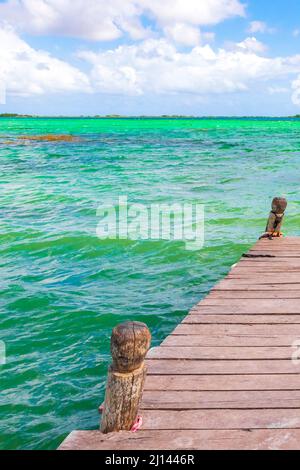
(130, 343)
(273, 228)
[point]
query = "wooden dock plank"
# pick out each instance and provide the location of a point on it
(238, 330)
(213, 367)
(220, 352)
(222, 419)
(254, 294)
(197, 400)
(276, 279)
(260, 439)
(196, 317)
(274, 305)
(247, 309)
(237, 285)
(228, 340)
(223, 382)
(276, 254)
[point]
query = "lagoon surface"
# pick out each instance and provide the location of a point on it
(63, 289)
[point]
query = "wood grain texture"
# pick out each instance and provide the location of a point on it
(223, 382)
(264, 305)
(197, 400)
(197, 317)
(212, 367)
(271, 285)
(222, 419)
(228, 340)
(260, 439)
(238, 330)
(220, 352)
(254, 294)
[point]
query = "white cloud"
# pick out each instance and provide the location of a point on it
(105, 20)
(26, 71)
(252, 45)
(204, 12)
(152, 66)
(183, 34)
(156, 66)
(260, 27)
(101, 20)
(274, 90)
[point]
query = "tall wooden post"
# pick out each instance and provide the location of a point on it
(273, 228)
(130, 343)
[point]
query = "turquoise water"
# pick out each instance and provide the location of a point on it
(63, 289)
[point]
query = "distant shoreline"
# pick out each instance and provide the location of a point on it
(174, 117)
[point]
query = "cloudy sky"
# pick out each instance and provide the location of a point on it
(199, 57)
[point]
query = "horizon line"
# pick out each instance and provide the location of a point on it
(145, 116)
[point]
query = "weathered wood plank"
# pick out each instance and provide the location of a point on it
(244, 310)
(238, 330)
(276, 254)
(285, 304)
(245, 272)
(219, 400)
(269, 259)
(223, 382)
(233, 310)
(268, 263)
(266, 439)
(256, 285)
(263, 269)
(254, 294)
(222, 419)
(282, 247)
(281, 278)
(249, 306)
(220, 352)
(227, 340)
(279, 240)
(195, 317)
(283, 244)
(209, 367)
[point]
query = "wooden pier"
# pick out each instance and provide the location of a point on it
(225, 378)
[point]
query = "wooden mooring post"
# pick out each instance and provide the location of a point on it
(273, 228)
(130, 343)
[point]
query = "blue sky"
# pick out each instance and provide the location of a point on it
(194, 57)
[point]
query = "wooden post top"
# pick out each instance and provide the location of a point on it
(279, 205)
(130, 342)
